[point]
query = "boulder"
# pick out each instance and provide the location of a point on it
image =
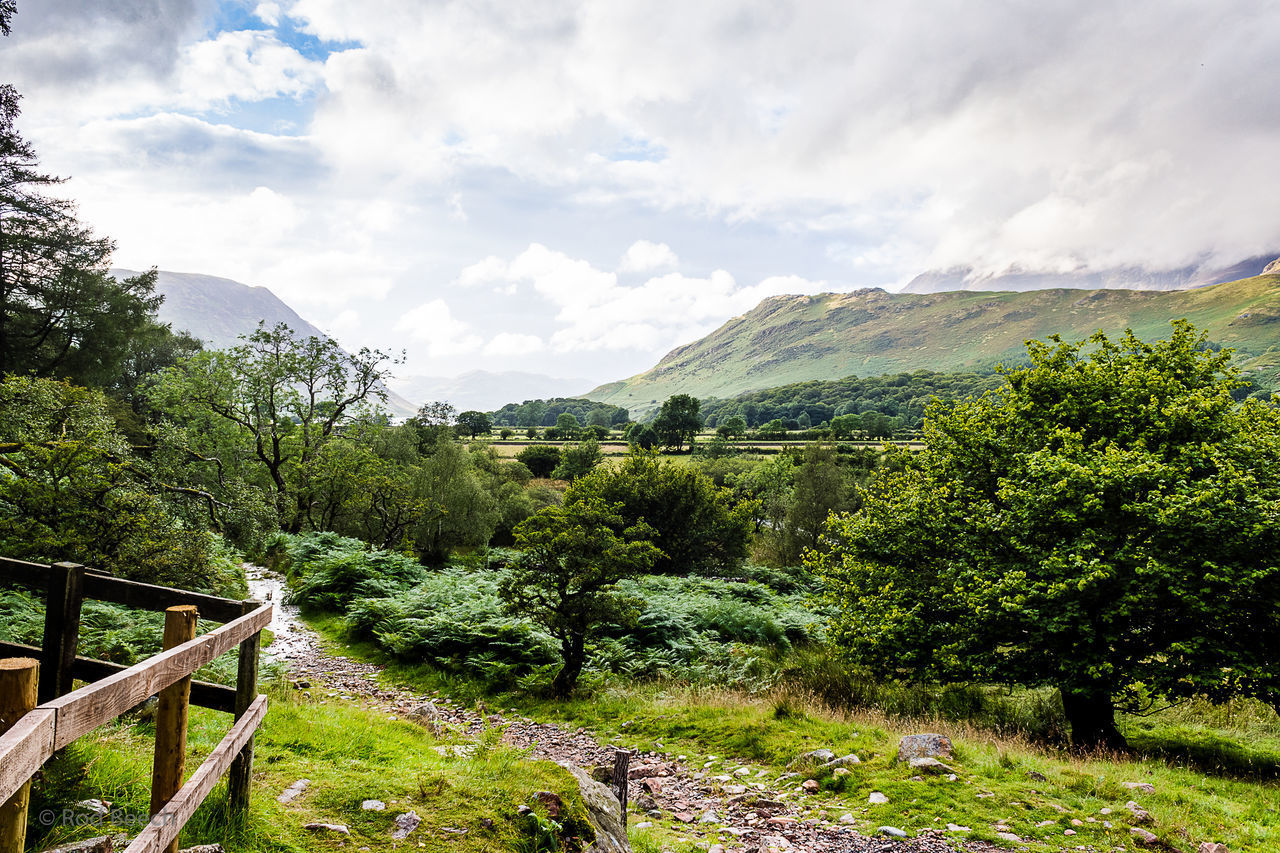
(603, 812)
(1272, 268)
(428, 716)
(843, 761)
(877, 798)
(924, 746)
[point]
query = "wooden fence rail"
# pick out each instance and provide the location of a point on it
(64, 715)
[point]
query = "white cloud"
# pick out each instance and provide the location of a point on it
(643, 256)
(514, 344)
(434, 324)
(595, 312)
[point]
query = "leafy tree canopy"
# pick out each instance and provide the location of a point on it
(1104, 523)
(698, 528)
(678, 421)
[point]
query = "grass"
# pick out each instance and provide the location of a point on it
(1213, 767)
(350, 754)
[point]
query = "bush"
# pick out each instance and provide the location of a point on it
(540, 459)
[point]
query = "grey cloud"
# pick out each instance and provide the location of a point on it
(75, 41)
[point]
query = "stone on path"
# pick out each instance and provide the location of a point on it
(294, 791)
(924, 746)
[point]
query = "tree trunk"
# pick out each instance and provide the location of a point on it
(1092, 716)
(573, 649)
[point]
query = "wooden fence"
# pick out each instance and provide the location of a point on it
(63, 715)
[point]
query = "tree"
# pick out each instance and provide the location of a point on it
(475, 423)
(678, 422)
(574, 556)
(601, 417)
(567, 426)
(697, 526)
(541, 459)
(433, 422)
(578, 460)
(820, 486)
(61, 312)
(733, 428)
(1102, 524)
(282, 395)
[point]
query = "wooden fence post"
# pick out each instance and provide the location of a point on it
(240, 780)
(621, 761)
(18, 680)
(171, 717)
(61, 629)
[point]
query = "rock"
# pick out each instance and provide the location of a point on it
(742, 771)
(1068, 832)
(1144, 787)
(684, 817)
(522, 810)
(1075, 821)
(97, 808)
(1037, 776)
(847, 817)
(1143, 838)
(1272, 268)
(405, 824)
(930, 765)
(602, 774)
(646, 803)
(716, 848)
(952, 827)
(841, 771)
(373, 805)
(816, 756)
(551, 802)
(877, 798)
(1008, 836)
(644, 824)
(294, 791)
(709, 816)
(204, 848)
(428, 716)
(891, 832)
(340, 828)
(843, 761)
(1140, 815)
(302, 685)
(652, 784)
(810, 786)
(1210, 846)
(924, 746)
(603, 812)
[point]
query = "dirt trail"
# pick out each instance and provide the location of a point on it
(740, 809)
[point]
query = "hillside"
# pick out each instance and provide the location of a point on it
(869, 332)
(218, 310)
(485, 390)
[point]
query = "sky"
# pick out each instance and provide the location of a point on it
(575, 188)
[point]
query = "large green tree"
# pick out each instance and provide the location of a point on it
(677, 422)
(275, 400)
(1104, 523)
(574, 557)
(698, 527)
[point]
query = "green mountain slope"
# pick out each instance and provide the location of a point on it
(869, 332)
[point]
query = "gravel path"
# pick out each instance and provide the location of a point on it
(733, 808)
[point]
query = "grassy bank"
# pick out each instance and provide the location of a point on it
(349, 755)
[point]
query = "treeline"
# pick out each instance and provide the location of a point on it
(805, 405)
(545, 413)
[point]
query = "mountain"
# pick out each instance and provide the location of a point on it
(1123, 278)
(484, 391)
(871, 332)
(218, 310)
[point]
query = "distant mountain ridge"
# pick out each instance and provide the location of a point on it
(1119, 278)
(219, 310)
(871, 332)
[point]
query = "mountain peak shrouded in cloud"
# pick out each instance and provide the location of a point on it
(368, 159)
